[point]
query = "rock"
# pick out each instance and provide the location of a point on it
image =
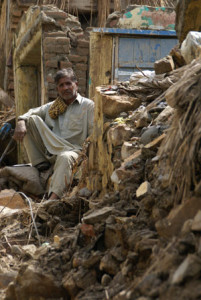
(119, 134)
(92, 260)
(191, 46)
(70, 285)
(190, 267)
(186, 244)
(31, 282)
(84, 278)
(187, 226)
(11, 199)
(148, 202)
(173, 223)
(43, 250)
(84, 192)
(29, 250)
(113, 235)
(112, 106)
(17, 250)
(127, 150)
(148, 283)
(144, 189)
(196, 224)
(97, 215)
(164, 65)
(106, 279)
(158, 213)
(150, 134)
(87, 230)
(165, 116)
(143, 120)
(7, 212)
(123, 114)
(132, 167)
(145, 246)
(109, 264)
(6, 278)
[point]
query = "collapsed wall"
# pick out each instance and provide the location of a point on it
(49, 39)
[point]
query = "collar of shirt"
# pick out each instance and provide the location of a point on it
(79, 98)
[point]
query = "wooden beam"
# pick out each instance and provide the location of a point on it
(100, 61)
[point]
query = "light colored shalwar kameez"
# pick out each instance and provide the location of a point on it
(58, 140)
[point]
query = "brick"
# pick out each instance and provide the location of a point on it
(82, 87)
(50, 41)
(87, 229)
(55, 34)
(52, 94)
(51, 86)
(79, 35)
(73, 24)
(16, 13)
(77, 30)
(12, 93)
(61, 22)
(13, 26)
(164, 65)
(15, 20)
(77, 58)
(51, 63)
(83, 51)
(50, 48)
(83, 67)
(57, 14)
(80, 74)
(62, 49)
(11, 86)
(83, 43)
(82, 81)
(48, 56)
(50, 78)
(63, 41)
(82, 91)
(65, 64)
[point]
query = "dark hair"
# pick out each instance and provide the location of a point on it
(65, 73)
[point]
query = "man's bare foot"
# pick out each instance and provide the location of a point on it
(53, 196)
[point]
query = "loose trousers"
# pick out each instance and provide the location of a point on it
(43, 145)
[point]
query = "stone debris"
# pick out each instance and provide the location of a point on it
(132, 231)
(164, 65)
(144, 189)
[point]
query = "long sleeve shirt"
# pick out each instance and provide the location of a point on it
(74, 125)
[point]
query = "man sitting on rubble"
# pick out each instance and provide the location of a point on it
(54, 133)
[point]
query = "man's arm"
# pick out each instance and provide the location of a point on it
(20, 131)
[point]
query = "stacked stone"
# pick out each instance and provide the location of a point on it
(66, 47)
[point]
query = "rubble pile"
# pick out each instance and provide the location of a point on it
(132, 228)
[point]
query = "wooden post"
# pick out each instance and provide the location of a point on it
(100, 61)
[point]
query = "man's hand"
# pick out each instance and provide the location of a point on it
(20, 131)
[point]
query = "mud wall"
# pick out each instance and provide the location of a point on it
(188, 17)
(48, 39)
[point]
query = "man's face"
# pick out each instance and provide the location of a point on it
(67, 89)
